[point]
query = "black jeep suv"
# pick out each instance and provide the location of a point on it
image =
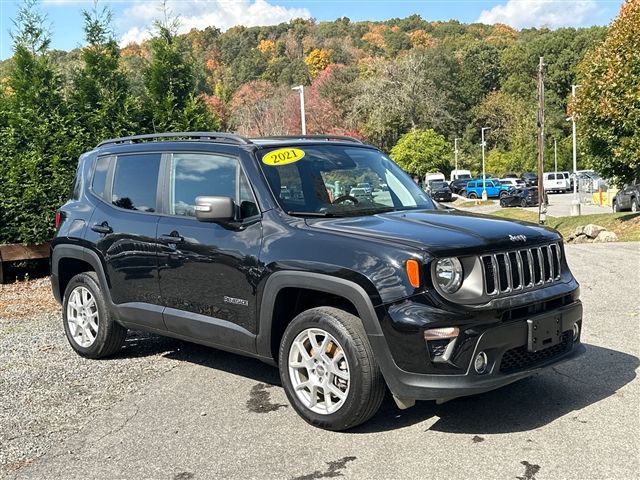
(190, 235)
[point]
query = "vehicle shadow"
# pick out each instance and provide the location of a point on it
(143, 344)
(525, 405)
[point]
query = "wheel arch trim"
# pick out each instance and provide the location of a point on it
(313, 281)
(77, 252)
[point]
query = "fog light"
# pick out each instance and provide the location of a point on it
(480, 363)
(441, 333)
(576, 332)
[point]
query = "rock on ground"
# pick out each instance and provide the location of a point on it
(606, 236)
(593, 231)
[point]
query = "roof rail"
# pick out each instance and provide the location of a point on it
(312, 137)
(202, 136)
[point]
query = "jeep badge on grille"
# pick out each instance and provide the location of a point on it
(518, 238)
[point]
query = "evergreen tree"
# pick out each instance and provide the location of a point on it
(170, 83)
(38, 144)
(101, 98)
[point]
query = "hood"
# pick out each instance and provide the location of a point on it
(450, 232)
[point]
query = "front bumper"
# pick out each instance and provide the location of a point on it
(503, 342)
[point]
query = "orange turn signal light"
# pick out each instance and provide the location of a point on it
(413, 272)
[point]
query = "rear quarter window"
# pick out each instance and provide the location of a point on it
(99, 180)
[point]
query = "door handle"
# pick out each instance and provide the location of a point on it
(173, 237)
(103, 228)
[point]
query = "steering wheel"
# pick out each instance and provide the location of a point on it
(344, 198)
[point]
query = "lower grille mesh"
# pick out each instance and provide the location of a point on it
(519, 358)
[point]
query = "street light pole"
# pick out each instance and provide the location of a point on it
(484, 180)
(455, 152)
(575, 203)
(555, 156)
(303, 122)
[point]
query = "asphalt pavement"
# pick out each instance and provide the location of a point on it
(559, 206)
(218, 415)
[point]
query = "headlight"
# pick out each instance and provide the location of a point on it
(448, 274)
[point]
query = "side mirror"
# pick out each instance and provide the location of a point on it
(215, 209)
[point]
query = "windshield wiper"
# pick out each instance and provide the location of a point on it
(310, 214)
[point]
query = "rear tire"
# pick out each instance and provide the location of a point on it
(337, 383)
(472, 195)
(503, 203)
(616, 207)
(523, 203)
(634, 205)
(90, 329)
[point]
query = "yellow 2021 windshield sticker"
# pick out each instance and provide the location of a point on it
(283, 156)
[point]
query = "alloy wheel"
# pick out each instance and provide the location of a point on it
(319, 371)
(82, 316)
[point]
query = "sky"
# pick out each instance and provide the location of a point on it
(134, 18)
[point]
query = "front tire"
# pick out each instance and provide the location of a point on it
(472, 195)
(328, 370)
(88, 325)
(634, 205)
(523, 203)
(616, 207)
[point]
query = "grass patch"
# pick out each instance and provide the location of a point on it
(625, 225)
(473, 203)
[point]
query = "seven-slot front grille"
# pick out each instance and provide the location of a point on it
(521, 269)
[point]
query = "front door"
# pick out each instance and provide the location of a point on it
(208, 271)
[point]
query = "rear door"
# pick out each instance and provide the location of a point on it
(209, 271)
(123, 229)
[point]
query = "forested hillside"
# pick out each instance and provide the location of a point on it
(373, 80)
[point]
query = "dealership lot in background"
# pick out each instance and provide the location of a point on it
(167, 409)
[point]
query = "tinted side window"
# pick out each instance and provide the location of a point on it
(77, 186)
(135, 182)
(248, 205)
(99, 181)
(195, 174)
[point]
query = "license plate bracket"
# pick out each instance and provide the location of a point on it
(543, 332)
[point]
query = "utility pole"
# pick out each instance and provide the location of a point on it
(455, 152)
(542, 205)
(575, 203)
(484, 179)
(300, 88)
(555, 156)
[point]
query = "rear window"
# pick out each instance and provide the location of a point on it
(135, 182)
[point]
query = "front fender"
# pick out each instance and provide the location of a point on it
(312, 281)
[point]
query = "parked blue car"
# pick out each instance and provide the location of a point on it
(494, 189)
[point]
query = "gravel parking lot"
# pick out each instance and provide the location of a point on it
(167, 409)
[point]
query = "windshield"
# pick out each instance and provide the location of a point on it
(327, 180)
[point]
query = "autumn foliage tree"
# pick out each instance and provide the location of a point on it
(608, 106)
